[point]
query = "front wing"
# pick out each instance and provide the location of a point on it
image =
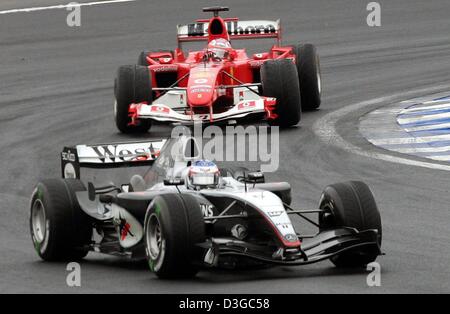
(322, 247)
(163, 113)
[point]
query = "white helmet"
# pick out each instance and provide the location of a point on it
(203, 174)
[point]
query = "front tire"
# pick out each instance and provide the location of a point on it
(309, 76)
(132, 85)
(60, 230)
(174, 224)
(279, 79)
(351, 204)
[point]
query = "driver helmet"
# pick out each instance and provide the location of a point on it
(203, 174)
(220, 48)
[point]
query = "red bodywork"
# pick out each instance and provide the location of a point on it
(209, 83)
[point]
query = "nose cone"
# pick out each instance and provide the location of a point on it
(201, 86)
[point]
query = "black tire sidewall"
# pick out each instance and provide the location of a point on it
(308, 68)
(279, 79)
(353, 206)
(68, 229)
(132, 85)
(182, 226)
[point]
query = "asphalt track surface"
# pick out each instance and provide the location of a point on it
(56, 89)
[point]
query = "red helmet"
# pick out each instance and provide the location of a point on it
(220, 48)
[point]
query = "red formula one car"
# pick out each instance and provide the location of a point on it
(219, 83)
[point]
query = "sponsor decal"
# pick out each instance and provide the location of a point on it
(200, 90)
(247, 105)
(201, 86)
(69, 171)
(275, 213)
(124, 228)
(200, 81)
(107, 153)
(291, 238)
(207, 210)
(160, 109)
(235, 28)
(68, 156)
(201, 74)
(165, 68)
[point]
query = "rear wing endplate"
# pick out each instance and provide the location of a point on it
(109, 156)
(198, 31)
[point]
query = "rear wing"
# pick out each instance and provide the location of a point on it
(198, 31)
(109, 156)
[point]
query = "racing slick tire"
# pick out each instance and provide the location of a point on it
(279, 79)
(308, 68)
(174, 225)
(142, 59)
(132, 85)
(60, 230)
(351, 204)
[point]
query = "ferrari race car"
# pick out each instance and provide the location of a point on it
(218, 83)
(186, 213)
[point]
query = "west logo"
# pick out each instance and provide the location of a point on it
(111, 153)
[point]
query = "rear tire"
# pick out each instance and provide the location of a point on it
(174, 224)
(351, 204)
(308, 68)
(279, 79)
(132, 85)
(60, 230)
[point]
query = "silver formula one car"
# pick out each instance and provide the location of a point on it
(186, 213)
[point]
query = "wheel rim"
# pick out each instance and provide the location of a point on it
(39, 221)
(155, 238)
(326, 215)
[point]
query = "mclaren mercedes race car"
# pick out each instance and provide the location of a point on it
(185, 213)
(218, 83)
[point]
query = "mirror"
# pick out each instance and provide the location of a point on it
(174, 182)
(256, 177)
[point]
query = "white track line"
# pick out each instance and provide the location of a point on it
(429, 107)
(63, 6)
(409, 150)
(325, 129)
(423, 118)
(440, 158)
(428, 127)
(411, 140)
